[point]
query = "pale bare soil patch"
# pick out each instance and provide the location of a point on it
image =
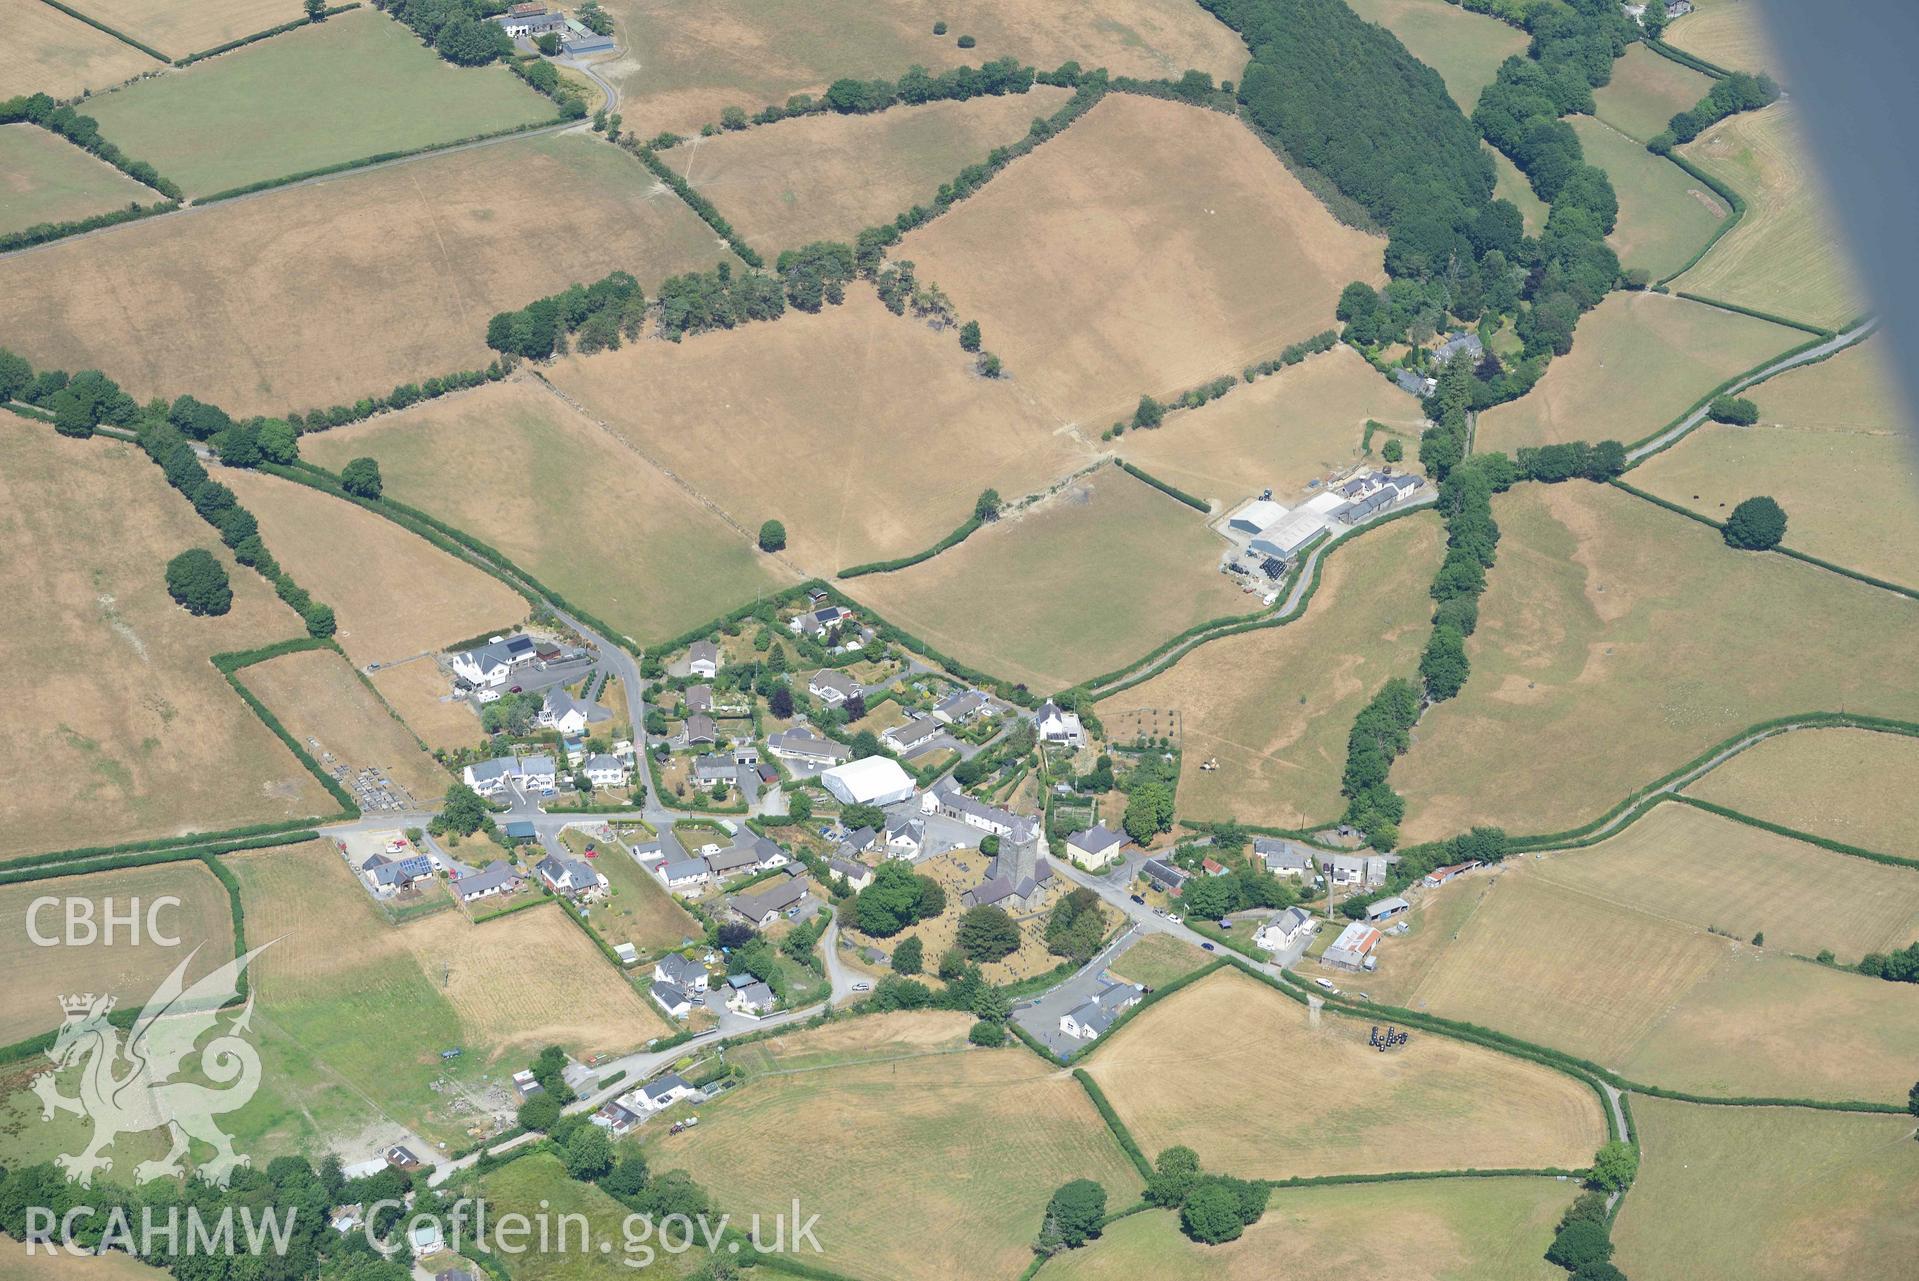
(1851, 785)
(868, 435)
(1769, 1194)
(518, 468)
(1091, 578)
(1151, 247)
(1617, 642)
(128, 969)
(394, 593)
(50, 52)
(827, 177)
(1692, 866)
(405, 265)
(45, 178)
(324, 705)
(683, 64)
(1282, 432)
(118, 727)
(1638, 361)
(1274, 706)
(1431, 1104)
(180, 27)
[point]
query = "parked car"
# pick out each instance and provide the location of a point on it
(1137, 899)
(862, 987)
(1175, 919)
(1327, 984)
(1209, 947)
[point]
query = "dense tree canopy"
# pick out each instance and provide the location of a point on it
(361, 478)
(198, 581)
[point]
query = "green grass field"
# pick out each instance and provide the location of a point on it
(46, 179)
(1850, 785)
(1448, 1230)
(1510, 184)
(1095, 576)
(1787, 255)
(1646, 91)
(1639, 360)
(501, 462)
(1464, 48)
(537, 1187)
(1769, 1194)
(357, 85)
(1157, 960)
(1665, 215)
(1616, 642)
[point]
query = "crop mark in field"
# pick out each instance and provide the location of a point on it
(452, 275)
(122, 628)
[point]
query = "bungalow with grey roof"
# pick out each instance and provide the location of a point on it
(701, 729)
(833, 688)
(736, 858)
(1282, 858)
(685, 875)
(703, 658)
(390, 875)
(699, 698)
(1090, 1019)
(672, 998)
(663, 1093)
(820, 621)
(499, 877)
(754, 1001)
(1164, 876)
(957, 709)
(760, 908)
(913, 735)
(715, 767)
(803, 745)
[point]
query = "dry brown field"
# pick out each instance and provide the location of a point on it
(1618, 641)
(1646, 91)
(516, 467)
(1436, 918)
(1787, 255)
(414, 690)
(1151, 247)
(1009, 1130)
(529, 980)
(1688, 865)
(1157, 960)
(1762, 1025)
(115, 1265)
(1832, 446)
(127, 969)
(223, 302)
(1483, 1229)
(1564, 969)
(1083, 582)
(49, 52)
(1275, 705)
(395, 594)
(826, 177)
(869, 436)
(682, 64)
(45, 178)
(108, 683)
(1851, 785)
(1728, 33)
(1284, 431)
(324, 705)
(1432, 1104)
(180, 27)
(879, 1038)
(1769, 1194)
(1638, 361)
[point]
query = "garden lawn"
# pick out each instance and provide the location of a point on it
(1081, 583)
(357, 85)
(46, 179)
(1617, 641)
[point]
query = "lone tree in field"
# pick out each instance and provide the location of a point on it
(1756, 525)
(969, 336)
(1073, 1216)
(1736, 410)
(1393, 451)
(772, 536)
(1149, 413)
(198, 581)
(361, 478)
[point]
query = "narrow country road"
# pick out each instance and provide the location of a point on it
(1838, 342)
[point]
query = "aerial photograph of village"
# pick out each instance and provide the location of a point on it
(948, 640)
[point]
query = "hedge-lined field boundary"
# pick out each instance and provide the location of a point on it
(704, 209)
(1772, 317)
(230, 665)
(1171, 491)
(115, 32)
(967, 528)
(1738, 382)
(1124, 1136)
(1793, 833)
(1683, 58)
(268, 34)
(1790, 553)
(379, 158)
(1734, 201)
(45, 233)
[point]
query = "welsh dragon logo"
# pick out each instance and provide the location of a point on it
(128, 1089)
